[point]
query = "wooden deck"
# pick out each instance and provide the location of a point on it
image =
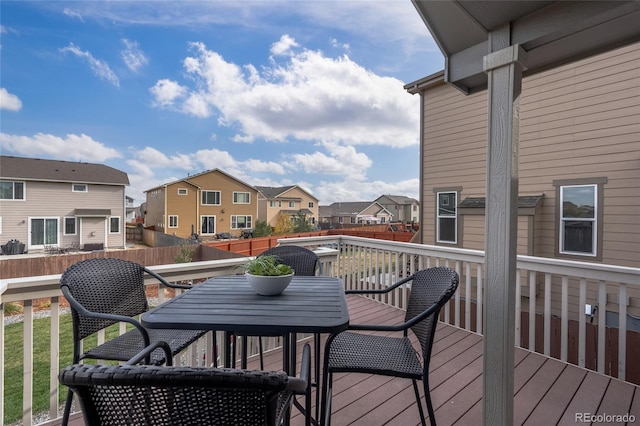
(547, 391)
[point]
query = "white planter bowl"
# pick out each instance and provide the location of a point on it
(269, 286)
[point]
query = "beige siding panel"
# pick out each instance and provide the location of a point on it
(578, 121)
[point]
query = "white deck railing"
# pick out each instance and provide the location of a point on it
(546, 288)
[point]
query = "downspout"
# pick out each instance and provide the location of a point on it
(420, 239)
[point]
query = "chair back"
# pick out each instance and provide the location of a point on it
(112, 286)
(174, 396)
(429, 287)
(303, 261)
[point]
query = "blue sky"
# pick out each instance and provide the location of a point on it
(274, 93)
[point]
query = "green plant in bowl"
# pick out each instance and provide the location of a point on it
(266, 266)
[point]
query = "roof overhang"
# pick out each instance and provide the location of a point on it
(552, 33)
(93, 212)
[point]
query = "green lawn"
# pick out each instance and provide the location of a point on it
(13, 368)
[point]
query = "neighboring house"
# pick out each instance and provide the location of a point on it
(209, 203)
(579, 161)
(354, 212)
(61, 203)
(290, 200)
(404, 209)
(131, 210)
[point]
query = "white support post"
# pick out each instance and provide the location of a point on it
(503, 65)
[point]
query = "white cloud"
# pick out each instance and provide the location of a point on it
(308, 97)
(166, 92)
(283, 46)
(157, 159)
(100, 68)
(71, 147)
(216, 159)
(363, 190)
(72, 14)
(9, 101)
(259, 166)
(343, 160)
(133, 56)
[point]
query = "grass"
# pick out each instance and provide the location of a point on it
(13, 368)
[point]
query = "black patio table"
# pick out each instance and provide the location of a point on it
(227, 303)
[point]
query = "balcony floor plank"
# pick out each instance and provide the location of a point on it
(547, 391)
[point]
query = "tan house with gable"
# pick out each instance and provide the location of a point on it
(207, 204)
(51, 204)
(579, 161)
(404, 209)
(341, 214)
(290, 200)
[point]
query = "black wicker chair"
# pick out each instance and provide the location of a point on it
(174, 396)
(105, 291)
(390, 355)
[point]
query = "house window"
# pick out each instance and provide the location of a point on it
(447, 217)
(183, 191)
(272, 203)
(240, 222)
(70, 226)
(579, 220)
(173, 221)
(10, 190)
(114, 225)
(79, 187)
(279, 203)
(44, 230)
(353, 219)
(211, 198)
(292, 204)
(340, 219)
(310, 204)
(208, 225)
(241, 198)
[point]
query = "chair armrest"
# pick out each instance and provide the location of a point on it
(397, 327)
(113, 317)
(382, 291)
(146, 354)
(166, 283)
(301, 385)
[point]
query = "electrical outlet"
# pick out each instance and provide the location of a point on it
(588, 309)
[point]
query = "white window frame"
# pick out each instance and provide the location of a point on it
(454, 216)
(236, 196)
(292, 204)
(45, 219)
(310, 204)
(74, 189)
(173, 216)
(594, 220)
(64, 225)
(202, 196)
(183, 191)
(214, 224)
(13, 184)
(248, 220)
(119, 225)
(272, 203)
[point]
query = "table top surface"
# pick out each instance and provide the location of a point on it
(227, 303)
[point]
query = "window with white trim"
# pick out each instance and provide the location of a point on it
(292, 204)
(447, 217)
(241, 222)
(44, 231)
(79, 187)
(310, 204)
(272, 203)
(211, 198)
(70, 225)
(10, 190)
(114, 225)
(183, 191)
(207, 225)
(578, 220)
(173, 221)
(241, 198)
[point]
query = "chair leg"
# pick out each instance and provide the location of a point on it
(261, 353)
(316, 365)
(427, 398)
(67, 408)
